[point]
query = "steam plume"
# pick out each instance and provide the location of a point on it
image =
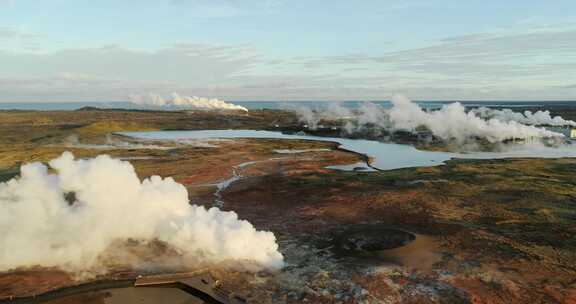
(188, 102)
(527, 118)
(310, 117)
(307, 116)
(72, 215)
(451, 122)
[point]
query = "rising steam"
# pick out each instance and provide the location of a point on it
(538, 118)
(184, 102)
(451, 122)
(72, 214)
(310, 117)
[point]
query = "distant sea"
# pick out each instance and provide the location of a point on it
(257, 105)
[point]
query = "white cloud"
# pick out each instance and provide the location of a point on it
(113, 72)
(14, 38)
(533, 64)
(484, 65)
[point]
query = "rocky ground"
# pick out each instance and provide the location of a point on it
(491, 231)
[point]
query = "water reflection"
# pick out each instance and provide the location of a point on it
(386, 156)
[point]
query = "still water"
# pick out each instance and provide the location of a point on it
(385, 156)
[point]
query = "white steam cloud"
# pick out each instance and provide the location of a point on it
(451, 122)
(312, 118)
(71, 215)
(184, 102)
(307, 116)
(542, 118)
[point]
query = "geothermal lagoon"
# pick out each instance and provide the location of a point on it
(382, 155)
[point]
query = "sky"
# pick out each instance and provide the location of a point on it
(280, 50)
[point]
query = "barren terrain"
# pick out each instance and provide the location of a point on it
(490, 231)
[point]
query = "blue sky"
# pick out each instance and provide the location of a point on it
(79, 50)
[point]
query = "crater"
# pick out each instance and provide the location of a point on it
(372, 239)
(377, 245)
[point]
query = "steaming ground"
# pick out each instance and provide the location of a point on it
(72, 213)
(450, 123)
(453, 122)
(112, 143)
(73, 141)
(504, 229)
(183, 102)
(527, 117)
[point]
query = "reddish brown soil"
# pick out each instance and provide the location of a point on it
(503, 230)
(30, 282)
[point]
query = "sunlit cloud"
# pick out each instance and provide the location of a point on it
(529, 59)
